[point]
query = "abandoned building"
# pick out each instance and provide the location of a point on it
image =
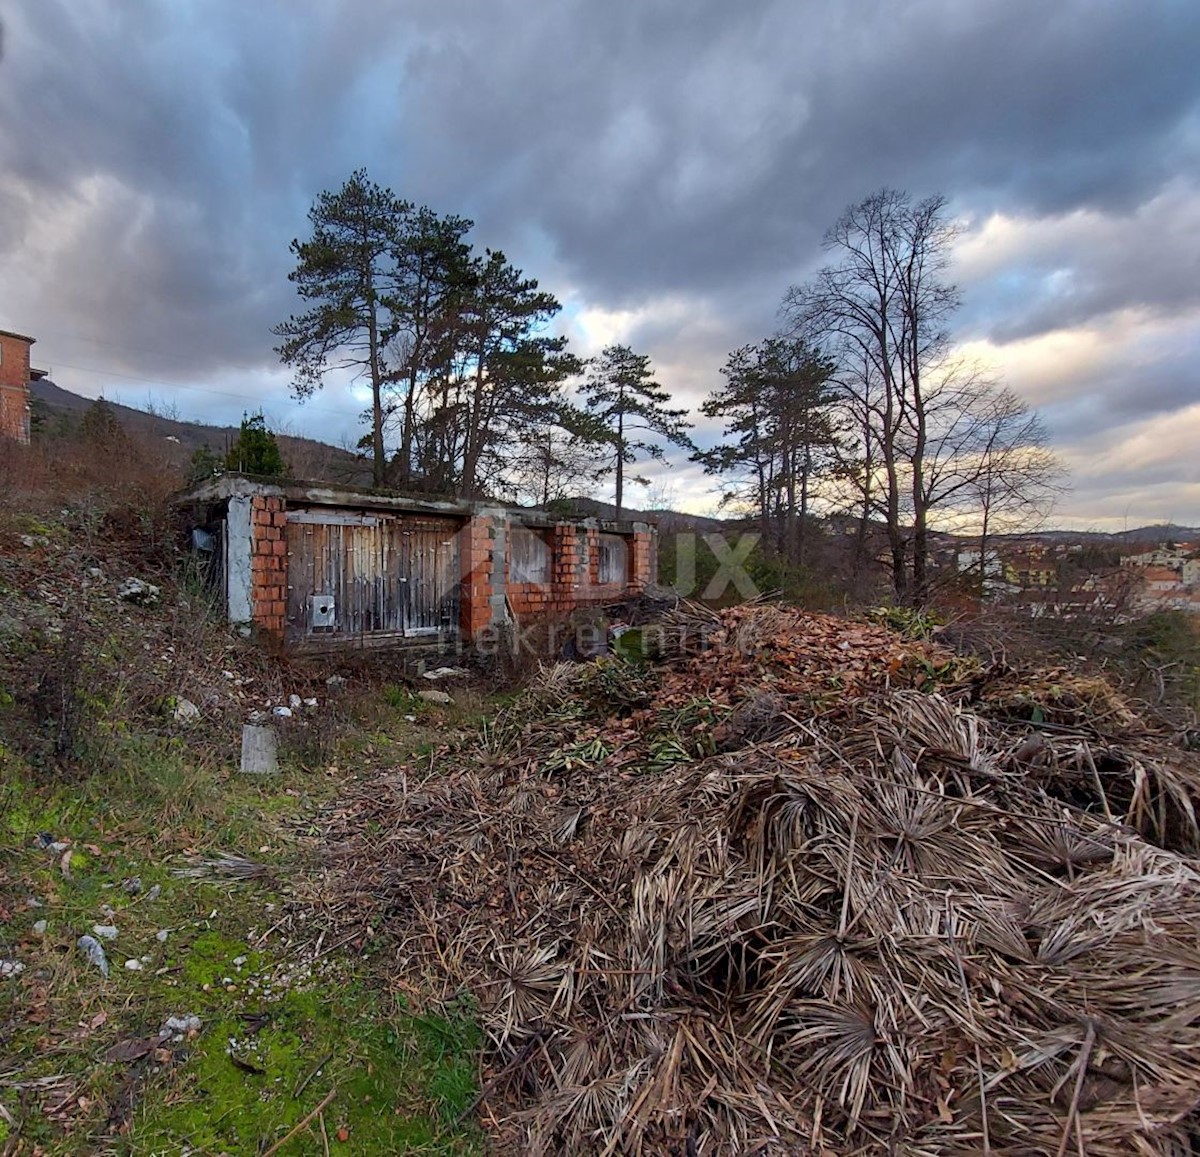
(316, 567)
(15, 376)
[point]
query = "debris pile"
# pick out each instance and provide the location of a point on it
(814, 889)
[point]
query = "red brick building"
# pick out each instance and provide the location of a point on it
(15, 376)
(319, 567)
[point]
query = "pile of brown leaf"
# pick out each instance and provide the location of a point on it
(816, 889)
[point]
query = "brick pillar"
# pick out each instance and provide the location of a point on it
(592, 562)
(567, 550)
(269, 563)
(642, 569)
(477, 562)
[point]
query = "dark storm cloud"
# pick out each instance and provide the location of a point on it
(655, 145)
(675, 159)
(173, 151)
(1066, 270)
(685, 145)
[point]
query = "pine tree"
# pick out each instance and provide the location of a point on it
(255, 450)
(778, 404)
(632, 408)
(348, 269)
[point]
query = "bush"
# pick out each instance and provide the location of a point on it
(256, 451)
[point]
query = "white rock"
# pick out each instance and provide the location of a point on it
(445, 673)
(105, 931)
(162, 934)
(136, 590)
(311, 703)
(9, 968)
(94, 951)
(134, 965)
(435, 697)
(282, 712)
(181, 1024)
(39, 927)
(186, 710)
(294, 702)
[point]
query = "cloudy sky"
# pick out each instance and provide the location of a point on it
(666, 167)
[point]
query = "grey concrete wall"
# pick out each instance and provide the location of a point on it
(239, 549)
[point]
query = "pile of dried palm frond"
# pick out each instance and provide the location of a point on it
(788, 896)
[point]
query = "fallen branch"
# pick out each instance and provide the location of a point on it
(300, 1125)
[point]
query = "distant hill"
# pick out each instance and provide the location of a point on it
(319, 462)
(1141, 536)
(673, 520)
(306, 457)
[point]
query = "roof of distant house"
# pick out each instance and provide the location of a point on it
(1160, 574)
(18, 336)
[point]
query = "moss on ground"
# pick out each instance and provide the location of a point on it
(283, 1022)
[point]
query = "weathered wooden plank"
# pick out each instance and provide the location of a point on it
(333, 518)
(387, 574)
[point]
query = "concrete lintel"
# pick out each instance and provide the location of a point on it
(229, 485)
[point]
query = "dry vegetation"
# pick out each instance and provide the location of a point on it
(806, 885)
(815, 889)
(121, 809)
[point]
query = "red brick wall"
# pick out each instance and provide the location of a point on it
(14, 388)
(644, 559)
(539, 600)
(596, 591)
(575, 569)
(476, 560)
(568, 546)
(268, 564)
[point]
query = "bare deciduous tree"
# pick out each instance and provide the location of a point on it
(932, 439)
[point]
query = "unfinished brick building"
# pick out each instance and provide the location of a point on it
(314, 566)
(15, 376)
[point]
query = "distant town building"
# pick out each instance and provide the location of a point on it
(1168, 576)
(1030, 571)
(1161, 578)
(15, 376)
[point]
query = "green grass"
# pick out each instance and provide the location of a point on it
(403, 1079)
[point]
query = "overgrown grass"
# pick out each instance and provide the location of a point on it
(305, 1019)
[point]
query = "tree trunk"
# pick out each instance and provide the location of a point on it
(802, 535)
(920, 559)
(859, 561)
(894, 533)
(377, 464)
(984, 539)
(407, 428)
(620, 457)
(789, 489)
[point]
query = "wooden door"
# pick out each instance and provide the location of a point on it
(370, 577)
